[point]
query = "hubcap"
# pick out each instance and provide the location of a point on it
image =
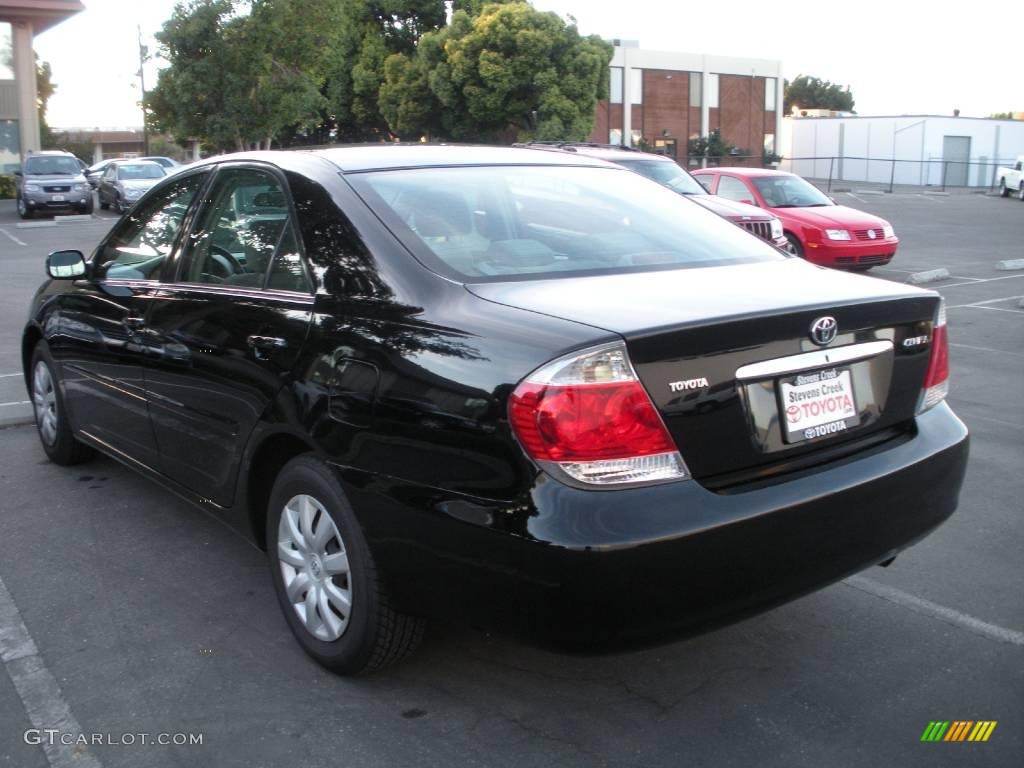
(44, 402)
(314, 568)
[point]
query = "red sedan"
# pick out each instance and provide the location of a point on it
(817, 228)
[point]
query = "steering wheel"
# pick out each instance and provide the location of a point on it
(225, 261)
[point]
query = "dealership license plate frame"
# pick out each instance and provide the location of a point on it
(823, 429)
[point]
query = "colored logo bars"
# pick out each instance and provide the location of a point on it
(958, 730)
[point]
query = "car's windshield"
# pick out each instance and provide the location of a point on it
(496, 223)
(55, 165)
(789, 192)
(140, 171)
(667, 173)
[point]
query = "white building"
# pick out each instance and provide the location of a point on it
(927, 149)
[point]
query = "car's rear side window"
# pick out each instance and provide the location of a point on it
(502, 222)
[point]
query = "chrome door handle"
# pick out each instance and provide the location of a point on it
(134, 322)
(267, 342)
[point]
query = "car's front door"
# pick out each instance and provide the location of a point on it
(229, 327)
(98, 335)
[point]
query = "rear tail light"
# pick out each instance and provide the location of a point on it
(936, 381)
(588, 416)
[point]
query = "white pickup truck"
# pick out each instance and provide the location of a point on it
(1011, 179)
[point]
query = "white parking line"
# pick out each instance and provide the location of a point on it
(9, 375)
(38, 690)
(19, 242)
(975, 280)
(936, 611)
(929, 197)
(985, 349)
(983, 304)
(16, 402)
(856, 198)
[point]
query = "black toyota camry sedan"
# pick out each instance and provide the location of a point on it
(517, 387)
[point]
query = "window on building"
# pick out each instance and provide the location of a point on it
(6, 52)
(636, 86)
(770, 84)
(615, 136)
(769, 143)
(637, 137)
(696, 86)
(10, 147)
(713, 91)
(615, 89)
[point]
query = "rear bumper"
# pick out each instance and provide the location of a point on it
(852, 254)
(596, 570)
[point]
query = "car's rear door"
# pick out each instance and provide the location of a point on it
(98, 334)
(230, 326)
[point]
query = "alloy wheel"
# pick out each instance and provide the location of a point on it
(44, 402)
(314, 568)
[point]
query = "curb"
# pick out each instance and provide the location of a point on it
(12, 422)
(1007, 264)
(869, 192)
(35, 224)
(937, 194)
(73, 217)
(928, 276)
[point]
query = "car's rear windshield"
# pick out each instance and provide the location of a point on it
(53, 165)
(507, 222)
(140, 171)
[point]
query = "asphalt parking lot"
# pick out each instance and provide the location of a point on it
(124, 610)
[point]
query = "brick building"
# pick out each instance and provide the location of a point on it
(674, 96)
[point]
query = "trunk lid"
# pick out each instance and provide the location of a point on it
(725, 351)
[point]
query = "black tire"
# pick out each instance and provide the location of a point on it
(1003, 191)
(1020, 192)
(88, 206)
(63, 448)
(23, 210)
(103, 204)
(376, 635)
(794, 245)
(118, 208)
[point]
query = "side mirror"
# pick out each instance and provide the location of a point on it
(17, 173)
(65, 265)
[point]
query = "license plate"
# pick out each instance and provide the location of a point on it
(817, 404)
(58, 198)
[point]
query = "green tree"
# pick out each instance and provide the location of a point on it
(235, 81)
(508, 68)
(808, 92)
(1002, 116)
(45, 88)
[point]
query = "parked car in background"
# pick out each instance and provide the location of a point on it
(167, 162)
(94, 171)
(817, 228)
(124, 181)
(667, 172)
(525, 389)
(51, 182)
(1011, 179)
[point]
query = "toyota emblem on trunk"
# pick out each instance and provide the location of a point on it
(823, 331)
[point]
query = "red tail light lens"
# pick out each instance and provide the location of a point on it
(589, 416)
(936, 380)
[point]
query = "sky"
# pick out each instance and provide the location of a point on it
(898, 57)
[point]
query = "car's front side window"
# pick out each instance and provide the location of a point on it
(243, 232)
(733, 189)
(143, 240)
